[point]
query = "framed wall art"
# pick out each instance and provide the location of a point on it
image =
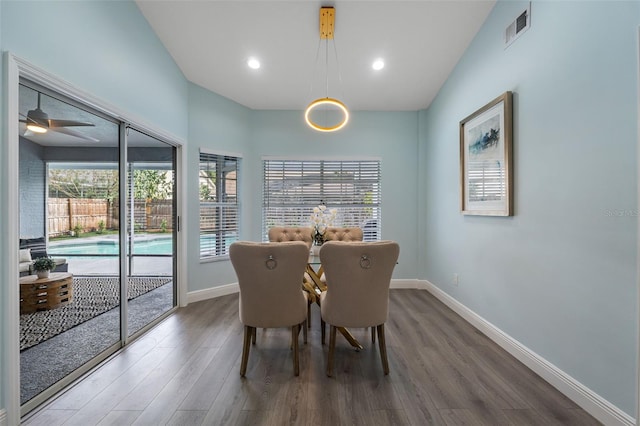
(486, 175)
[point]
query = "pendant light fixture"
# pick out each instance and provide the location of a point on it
(327, 26)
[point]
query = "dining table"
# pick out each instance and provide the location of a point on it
(314, 286)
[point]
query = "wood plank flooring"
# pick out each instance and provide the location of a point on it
(186, 372)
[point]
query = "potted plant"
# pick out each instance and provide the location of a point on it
(43, 265)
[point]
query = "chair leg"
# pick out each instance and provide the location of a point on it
(383, 349)
(303, 328)
(323, 327)
(304, 332)
(248, 333)
(309, 303)
(295, 330)
(373, 335)
(332, 348)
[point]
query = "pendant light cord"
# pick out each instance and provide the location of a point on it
(315, 68)
(326, 66)
(335, 51)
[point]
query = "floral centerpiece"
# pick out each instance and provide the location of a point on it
(321, 218)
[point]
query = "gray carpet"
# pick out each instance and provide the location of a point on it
(46, 363)
(92, 296)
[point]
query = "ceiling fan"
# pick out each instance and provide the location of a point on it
(38, 121)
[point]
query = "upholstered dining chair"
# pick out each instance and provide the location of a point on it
(284, 233)
(296, 233)
(269, 276)
(343, 234)
(333, 233)
(358, 278)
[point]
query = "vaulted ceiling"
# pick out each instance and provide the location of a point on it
(420, 41)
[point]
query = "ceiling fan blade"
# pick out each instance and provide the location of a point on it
(67, 123)
(74, 133)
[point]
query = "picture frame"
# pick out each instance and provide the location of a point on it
(486, 170)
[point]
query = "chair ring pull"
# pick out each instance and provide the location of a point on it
(365, 262)
(271, 262)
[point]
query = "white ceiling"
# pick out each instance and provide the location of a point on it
(211, 40)
(420, 40)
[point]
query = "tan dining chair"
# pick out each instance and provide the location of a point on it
(343, 234)
(296, 233)
(358, 278)
(269, 276)
(290, 233)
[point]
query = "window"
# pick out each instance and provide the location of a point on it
(218, 176)
(292, 188)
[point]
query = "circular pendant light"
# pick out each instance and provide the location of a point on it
(327, 101)
(327, 24)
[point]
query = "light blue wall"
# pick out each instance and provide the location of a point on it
(220, 126)
(390, 136)
(217, 124)
(559, 276)
(105, 48)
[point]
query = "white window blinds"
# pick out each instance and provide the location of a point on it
(292, 188)
(218, 185)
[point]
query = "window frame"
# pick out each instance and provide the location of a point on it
(219, 251)
(301, 211)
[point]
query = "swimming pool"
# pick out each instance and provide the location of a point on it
(110, 247)
(143, 245)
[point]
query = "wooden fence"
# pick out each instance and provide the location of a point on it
(65, 214)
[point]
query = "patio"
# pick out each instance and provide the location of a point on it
(52, 359)
(69, 336)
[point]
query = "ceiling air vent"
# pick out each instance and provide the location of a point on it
(517, 27)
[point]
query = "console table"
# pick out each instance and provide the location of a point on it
(39, 294)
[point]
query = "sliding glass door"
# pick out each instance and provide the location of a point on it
(99, 199)
(151, 230)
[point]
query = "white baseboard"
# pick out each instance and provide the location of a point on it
(223, 290)
(213, 292)
(415, 284)
(587, 399)
(3, 417)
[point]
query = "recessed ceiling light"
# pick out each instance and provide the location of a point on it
(253, 63)
(378, 64)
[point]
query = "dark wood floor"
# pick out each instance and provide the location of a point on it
(186, 372)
